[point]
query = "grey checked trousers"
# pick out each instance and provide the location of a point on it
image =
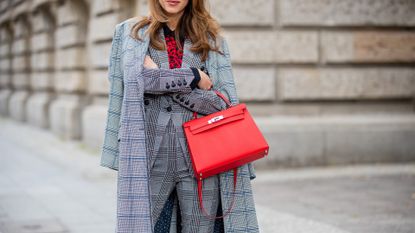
(170, 169)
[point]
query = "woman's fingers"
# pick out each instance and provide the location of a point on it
(205, 83)
(149, 63)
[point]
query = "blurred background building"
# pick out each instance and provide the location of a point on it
(328, 81)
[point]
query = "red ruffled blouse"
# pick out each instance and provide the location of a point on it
(175, 55)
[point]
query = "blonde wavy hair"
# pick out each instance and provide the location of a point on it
(196, 23)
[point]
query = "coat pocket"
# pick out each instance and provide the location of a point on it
(154, 151)
(119, 131)
(186, 153)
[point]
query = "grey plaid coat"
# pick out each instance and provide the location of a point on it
(124, 147)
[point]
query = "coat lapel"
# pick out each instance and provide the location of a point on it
(190, 59)
(188, 55)
(133, 56)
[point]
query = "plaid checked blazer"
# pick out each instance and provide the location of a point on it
(197, 100)
(124, 147)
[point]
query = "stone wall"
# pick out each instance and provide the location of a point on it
(306, 68)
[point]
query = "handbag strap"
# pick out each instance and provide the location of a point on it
(199, 190)
(228, 103)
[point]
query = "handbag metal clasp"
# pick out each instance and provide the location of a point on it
(214, 119)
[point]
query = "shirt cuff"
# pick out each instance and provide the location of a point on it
(196, 80)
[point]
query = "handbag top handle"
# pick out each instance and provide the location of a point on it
(223, 97)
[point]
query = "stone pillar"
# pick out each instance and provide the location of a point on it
(21, 68)
(71, 69)
(6, 36)
(42, 66)
(106, 14)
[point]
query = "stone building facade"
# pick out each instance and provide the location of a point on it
(329, 81)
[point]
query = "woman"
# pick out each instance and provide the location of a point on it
(169, 86)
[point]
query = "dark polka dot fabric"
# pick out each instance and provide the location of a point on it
(163, 224)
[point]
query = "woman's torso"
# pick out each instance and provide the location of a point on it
(164, 116)
(164, 103)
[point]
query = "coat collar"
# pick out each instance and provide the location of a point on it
(167, 31)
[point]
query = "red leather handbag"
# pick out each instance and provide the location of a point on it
(223, 141)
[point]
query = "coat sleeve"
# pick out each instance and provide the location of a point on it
(201, 101)
(110, 151)
(225, 84)
(161, 81)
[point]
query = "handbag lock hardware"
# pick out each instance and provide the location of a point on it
(215, 119)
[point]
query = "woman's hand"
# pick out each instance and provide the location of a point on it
(149, 63)
(205, 83)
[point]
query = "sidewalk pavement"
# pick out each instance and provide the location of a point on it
(54, 186)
